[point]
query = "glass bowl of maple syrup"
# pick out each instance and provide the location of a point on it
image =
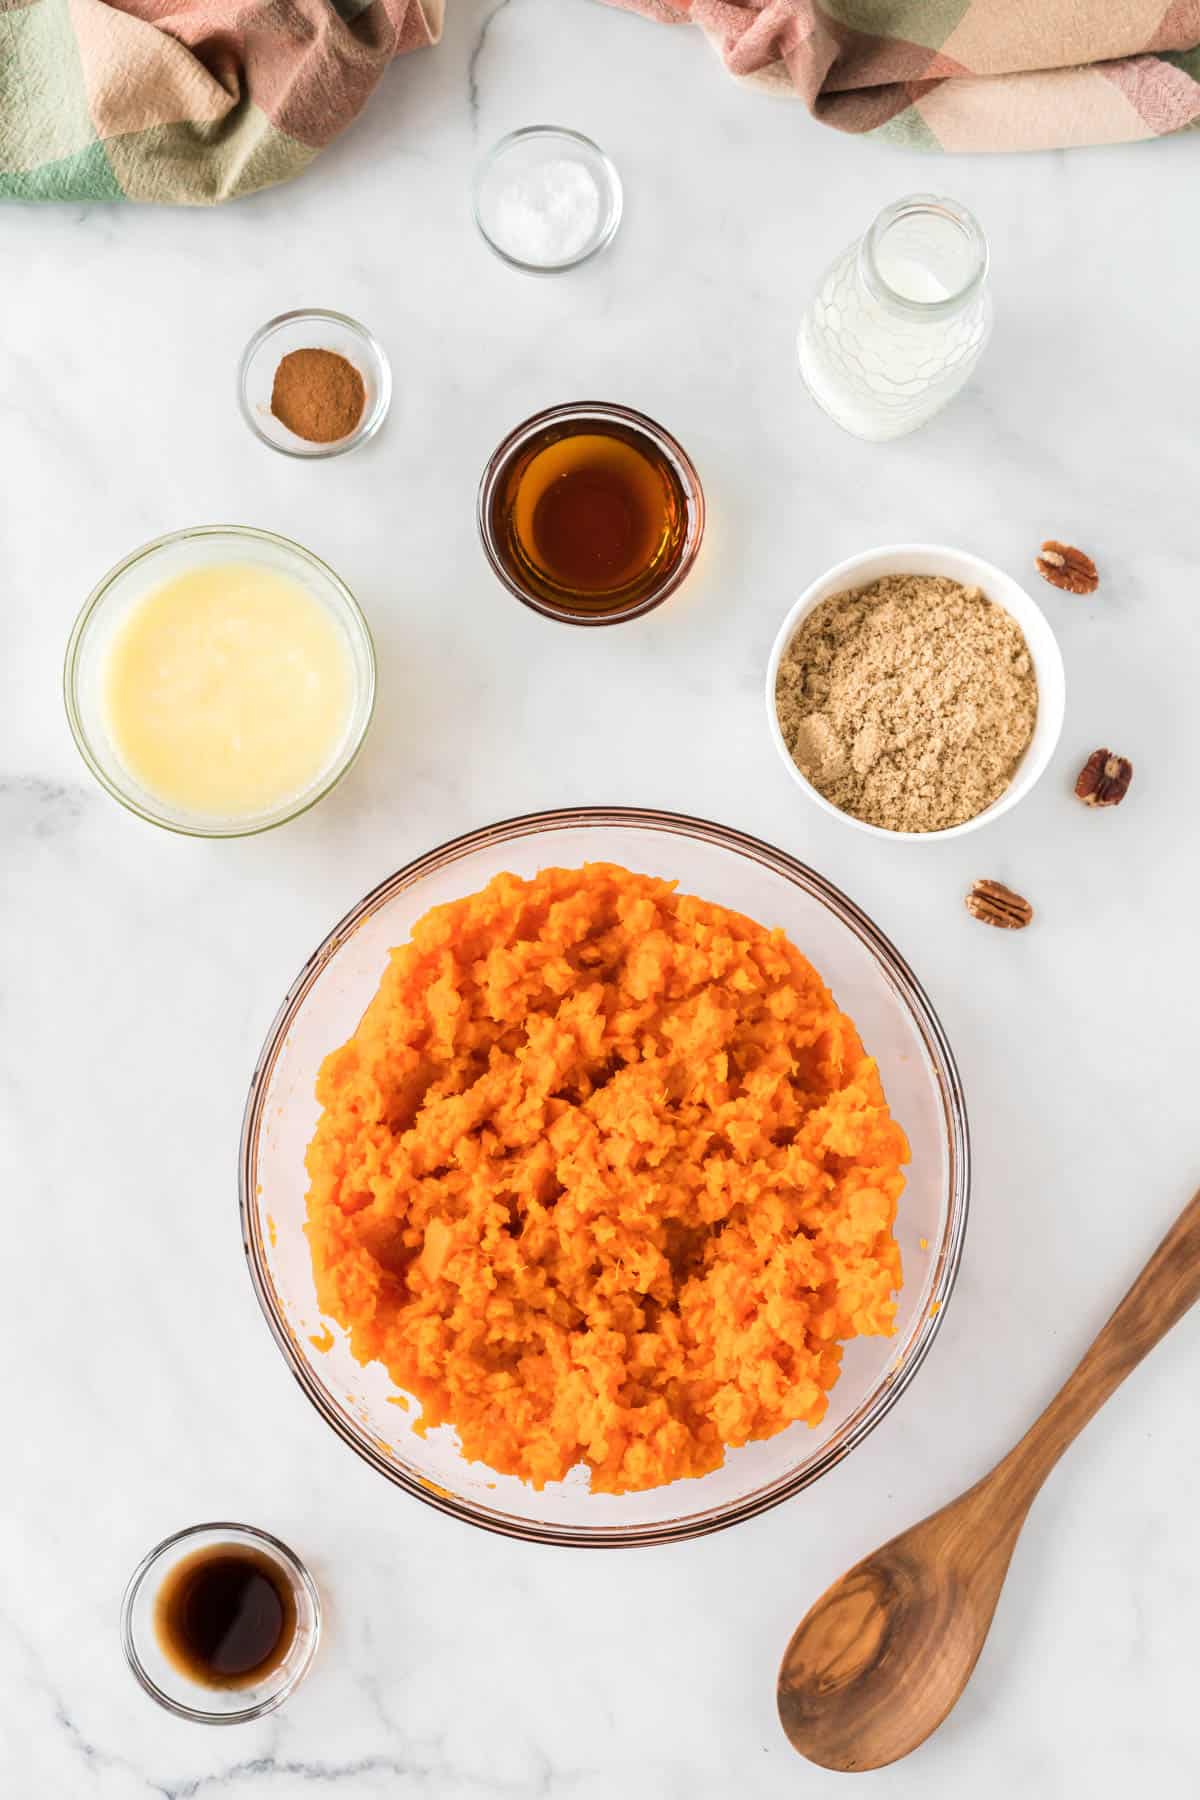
(591, 513)
(220, 1623)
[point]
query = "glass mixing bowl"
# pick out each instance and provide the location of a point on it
(871, 982)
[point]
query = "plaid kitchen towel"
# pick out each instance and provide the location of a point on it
(193, 101)
(188, 101)
(966, 74)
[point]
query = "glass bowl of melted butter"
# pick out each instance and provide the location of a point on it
(220, 681)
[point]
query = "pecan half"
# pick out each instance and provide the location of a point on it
(994, 904)
(1065, 567)
(1104, 779)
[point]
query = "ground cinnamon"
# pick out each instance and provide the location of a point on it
(318, 395)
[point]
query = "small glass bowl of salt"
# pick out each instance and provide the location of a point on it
(547, 199)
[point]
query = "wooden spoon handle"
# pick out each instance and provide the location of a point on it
(1167, 1286)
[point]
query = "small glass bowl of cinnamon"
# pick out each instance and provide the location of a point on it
(314, 383)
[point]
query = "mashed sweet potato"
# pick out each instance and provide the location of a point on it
(604, 1176)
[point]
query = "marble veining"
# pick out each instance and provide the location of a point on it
(140, 972)
(473, 60)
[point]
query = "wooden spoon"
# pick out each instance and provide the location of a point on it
(887, 1650)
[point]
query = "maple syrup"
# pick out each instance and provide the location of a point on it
(592, 514)
(226, 1616)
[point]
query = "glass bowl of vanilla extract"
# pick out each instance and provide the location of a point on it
(591, 513)
(220, 1623)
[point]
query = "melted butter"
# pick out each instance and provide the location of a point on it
(228, 690)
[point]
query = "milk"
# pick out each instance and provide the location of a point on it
(899, 320)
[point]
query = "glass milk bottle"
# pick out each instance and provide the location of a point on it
(899, 321)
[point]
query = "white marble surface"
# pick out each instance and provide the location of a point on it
(141, 1389)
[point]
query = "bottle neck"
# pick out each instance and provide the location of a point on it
(925, 258)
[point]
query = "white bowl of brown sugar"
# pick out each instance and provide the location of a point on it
(916, 691)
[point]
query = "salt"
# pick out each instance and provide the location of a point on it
(547, 215)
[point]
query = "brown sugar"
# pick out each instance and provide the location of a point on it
(318, 395)
(908, 703)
